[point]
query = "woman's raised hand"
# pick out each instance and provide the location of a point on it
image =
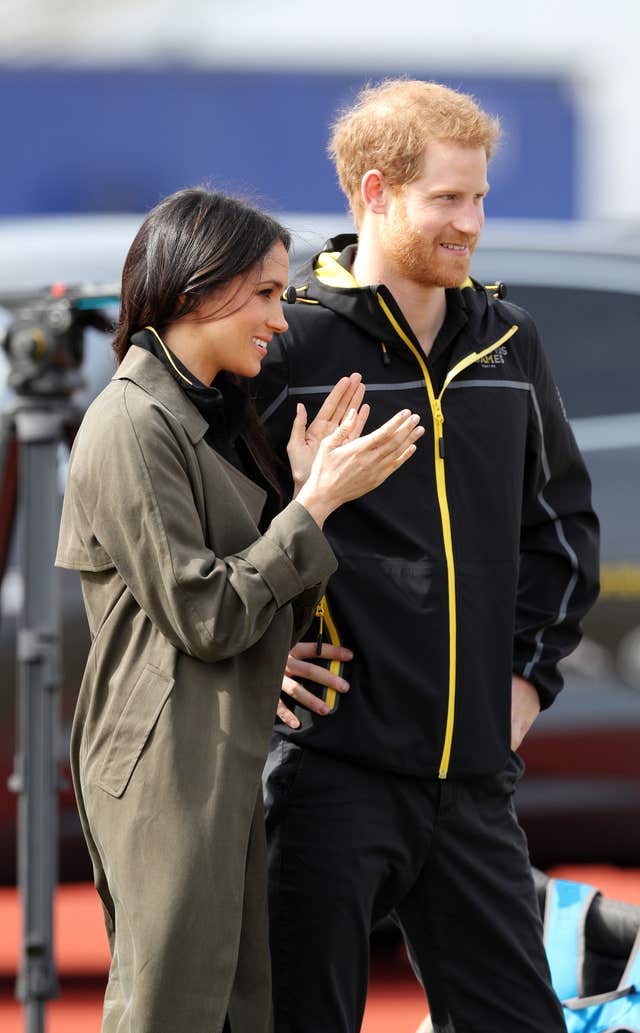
(305, 441)
(348, 465)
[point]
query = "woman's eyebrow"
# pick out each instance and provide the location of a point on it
(280, 284)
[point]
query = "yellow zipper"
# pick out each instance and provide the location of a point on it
(437, 416)
(335, 666)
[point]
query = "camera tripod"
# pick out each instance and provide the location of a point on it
(44, 346)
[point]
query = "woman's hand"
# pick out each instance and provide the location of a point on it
(348, 465)
(305, 441)
(301, 664)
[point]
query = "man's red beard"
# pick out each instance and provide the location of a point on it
(422, 259)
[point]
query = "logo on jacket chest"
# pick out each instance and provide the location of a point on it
(495, 358)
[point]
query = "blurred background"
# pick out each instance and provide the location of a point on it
(104, 109)
(109, 107)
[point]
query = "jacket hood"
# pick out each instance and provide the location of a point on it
(326, 280)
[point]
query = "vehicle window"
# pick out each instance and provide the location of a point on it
(592, 338)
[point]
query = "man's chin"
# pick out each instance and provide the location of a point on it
(440, 278)
(432, 270)
(455, 275)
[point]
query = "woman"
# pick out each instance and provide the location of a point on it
(192, 610)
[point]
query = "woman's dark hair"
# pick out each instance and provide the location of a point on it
(188, 247)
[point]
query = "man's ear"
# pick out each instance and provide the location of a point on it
(374, 192)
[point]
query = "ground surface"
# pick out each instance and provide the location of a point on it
(395, 1003)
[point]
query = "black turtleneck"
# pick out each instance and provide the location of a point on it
(222, 404)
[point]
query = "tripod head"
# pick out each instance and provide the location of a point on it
(44, 339)
(44, 345)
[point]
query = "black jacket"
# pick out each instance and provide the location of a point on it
(477, 558)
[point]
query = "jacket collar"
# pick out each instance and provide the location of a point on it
(327, 281)
(145, 370)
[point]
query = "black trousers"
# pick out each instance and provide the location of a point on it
(349, 845)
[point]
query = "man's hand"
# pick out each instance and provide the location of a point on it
(300, 665)
(525, 707)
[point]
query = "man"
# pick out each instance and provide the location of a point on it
(461, 584)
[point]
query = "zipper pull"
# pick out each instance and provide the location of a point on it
(386, 358)
(320, 616)
(439, 418)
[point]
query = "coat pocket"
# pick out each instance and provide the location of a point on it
(133, 728)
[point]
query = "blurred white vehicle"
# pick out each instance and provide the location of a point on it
(581, 795)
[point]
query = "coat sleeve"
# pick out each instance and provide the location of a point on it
(132, 493)
(559, 544)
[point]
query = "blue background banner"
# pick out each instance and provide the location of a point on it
(118, 140)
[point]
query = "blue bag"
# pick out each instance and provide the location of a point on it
(618, 1011)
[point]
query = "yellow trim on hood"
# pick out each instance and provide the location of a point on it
(329, 271)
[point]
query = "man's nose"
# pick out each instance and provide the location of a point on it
(470, 218)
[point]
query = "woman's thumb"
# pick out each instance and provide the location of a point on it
(299, 424)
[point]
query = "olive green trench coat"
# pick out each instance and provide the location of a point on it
(191, 613)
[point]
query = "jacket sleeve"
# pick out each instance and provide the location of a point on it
(274, 400)
(276, 407)
(559, 544)
(132, 493)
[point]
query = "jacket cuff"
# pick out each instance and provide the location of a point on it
(293, 555)
(546, 681)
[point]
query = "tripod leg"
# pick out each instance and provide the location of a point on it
(38, 435)
(8, 486)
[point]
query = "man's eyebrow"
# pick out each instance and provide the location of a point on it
(442, 189)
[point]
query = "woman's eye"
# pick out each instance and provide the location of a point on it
(267, 292)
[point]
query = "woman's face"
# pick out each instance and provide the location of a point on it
(243, 319)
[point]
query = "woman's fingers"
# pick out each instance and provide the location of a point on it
(357, 397)
(402, 458)
(308, 650)
(307, 699)
(350, 399)
(393, 435)
(407, 433)
(339, 398)
(328, 407)
(287, 716)
(392, 426)
(344, 431)
(299, 426)
(359, 422)
(316, 673)
(391, 438)
(297, 447)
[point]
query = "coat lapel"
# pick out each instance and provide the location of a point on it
(144, 369)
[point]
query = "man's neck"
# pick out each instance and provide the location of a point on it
(424, 308)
